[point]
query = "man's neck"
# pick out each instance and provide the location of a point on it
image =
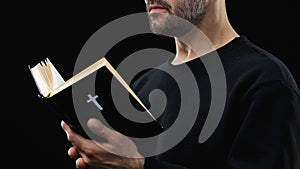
(214, 32)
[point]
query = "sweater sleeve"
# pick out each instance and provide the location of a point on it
(152, 163)
(269, 137)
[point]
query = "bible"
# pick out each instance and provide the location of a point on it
(57, 93)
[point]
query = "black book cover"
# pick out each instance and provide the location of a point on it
(91, 97)
(61, 105)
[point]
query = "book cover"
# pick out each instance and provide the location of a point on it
(88, 95)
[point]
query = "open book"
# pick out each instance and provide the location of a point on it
(50, 83)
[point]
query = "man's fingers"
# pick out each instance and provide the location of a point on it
(77, 140)
(80, 163)
(73, 153)
(100, 129)
(66, 128)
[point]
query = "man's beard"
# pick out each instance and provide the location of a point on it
(186, 15)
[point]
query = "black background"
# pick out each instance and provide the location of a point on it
(31, 135)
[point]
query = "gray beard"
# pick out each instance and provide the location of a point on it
(187, 15)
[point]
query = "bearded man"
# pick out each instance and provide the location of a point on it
(259, 126)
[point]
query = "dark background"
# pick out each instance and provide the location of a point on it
(31, 135)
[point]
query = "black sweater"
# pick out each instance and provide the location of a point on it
(260, 125)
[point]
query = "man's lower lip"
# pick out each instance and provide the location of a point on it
(159, 10)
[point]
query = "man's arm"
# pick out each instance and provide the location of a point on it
(270, 134)
(152, 163)
(117, 152)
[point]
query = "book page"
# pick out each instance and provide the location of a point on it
(46, 77)
(54, 76)
(40, 82)
(87, 71)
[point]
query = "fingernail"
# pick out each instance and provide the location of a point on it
(63, 127)
(77, 163)
(62, 123)
(69, 153)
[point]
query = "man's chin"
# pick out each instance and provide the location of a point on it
(158, 19)
(158, 15)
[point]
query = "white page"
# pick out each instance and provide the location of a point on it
(57, 78)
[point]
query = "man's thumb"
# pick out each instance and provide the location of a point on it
(98, 128)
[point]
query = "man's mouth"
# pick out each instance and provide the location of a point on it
(157, 9)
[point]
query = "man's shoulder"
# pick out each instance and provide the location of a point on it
(254, 65)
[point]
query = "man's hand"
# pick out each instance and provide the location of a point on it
(117, 152)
